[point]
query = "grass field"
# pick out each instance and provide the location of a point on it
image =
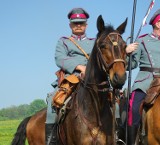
(7, 131)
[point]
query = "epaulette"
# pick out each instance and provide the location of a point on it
(142, 35)
(64, 37)
(91, 38)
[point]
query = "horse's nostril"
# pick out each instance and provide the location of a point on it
(116, 76)
(118, 81)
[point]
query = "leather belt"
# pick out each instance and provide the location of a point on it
(150, 69)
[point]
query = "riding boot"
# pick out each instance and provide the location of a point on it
(51, 134)
(120, 130)
(53, 140)
(132, 133)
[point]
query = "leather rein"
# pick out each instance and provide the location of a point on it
(105, 86)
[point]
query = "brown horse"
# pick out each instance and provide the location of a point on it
(32, 128)
(153, 113)
(90, 119)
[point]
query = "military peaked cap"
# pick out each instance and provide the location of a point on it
(78, 15)
(155, 17)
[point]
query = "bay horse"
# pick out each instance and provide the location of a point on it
(90, 119)
(152, 123)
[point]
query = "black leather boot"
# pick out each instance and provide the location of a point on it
(51, 134)
(132, 133)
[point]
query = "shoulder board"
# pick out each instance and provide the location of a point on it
(91, 38)
(142, 35)
(64, 37)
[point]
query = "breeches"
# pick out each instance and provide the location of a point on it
(51, 114)
(134, 116)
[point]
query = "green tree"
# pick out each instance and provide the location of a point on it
(36, 105)
(22, 111)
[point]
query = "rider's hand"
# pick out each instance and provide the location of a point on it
(82, 70)
(131, 47)
(82, 75)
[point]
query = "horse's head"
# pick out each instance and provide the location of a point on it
(111, 50)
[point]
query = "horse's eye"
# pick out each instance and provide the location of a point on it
(102, 46)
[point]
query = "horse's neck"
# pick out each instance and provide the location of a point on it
(94, 81)
(94, 72)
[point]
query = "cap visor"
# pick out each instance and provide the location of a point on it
(78, 20)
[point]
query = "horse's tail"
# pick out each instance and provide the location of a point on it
(20, 135)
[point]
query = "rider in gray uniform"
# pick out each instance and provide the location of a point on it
(71, 60)
(147, 57)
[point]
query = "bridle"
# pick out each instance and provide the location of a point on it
(103, 87)
(107, 67)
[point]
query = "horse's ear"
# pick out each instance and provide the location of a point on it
(122, 27)
(100, 24)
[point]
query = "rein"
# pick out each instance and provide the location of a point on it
(94, 129)
(104, 86)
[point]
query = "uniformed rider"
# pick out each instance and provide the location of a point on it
(146, 55)
(71, 60)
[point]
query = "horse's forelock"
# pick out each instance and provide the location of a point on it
(108, 29)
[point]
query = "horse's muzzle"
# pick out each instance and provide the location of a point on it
(118, 81)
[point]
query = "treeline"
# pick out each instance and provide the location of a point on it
(22, 111)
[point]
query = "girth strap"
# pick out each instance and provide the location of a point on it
(150, 69)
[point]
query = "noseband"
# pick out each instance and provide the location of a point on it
(114, 44)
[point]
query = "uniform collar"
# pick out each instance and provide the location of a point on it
(155, 36)
(82, 37)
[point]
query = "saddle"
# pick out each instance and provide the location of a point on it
(151, 96)
(152, 92)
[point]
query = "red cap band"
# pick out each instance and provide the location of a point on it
(81, 16)
(156, 19)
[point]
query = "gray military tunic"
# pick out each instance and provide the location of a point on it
(67, 57)
(147, 55)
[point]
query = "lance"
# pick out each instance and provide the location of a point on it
(129, 65)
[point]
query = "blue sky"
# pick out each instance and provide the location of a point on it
(29, 30)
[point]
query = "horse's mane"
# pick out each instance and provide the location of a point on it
(93, 57)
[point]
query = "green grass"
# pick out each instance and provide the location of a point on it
(7, 130)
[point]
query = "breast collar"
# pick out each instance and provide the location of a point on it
(79, 38)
